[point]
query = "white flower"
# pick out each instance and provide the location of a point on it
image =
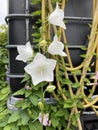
(56, 47)
(41, 69)
(25, 52)
(56, 17)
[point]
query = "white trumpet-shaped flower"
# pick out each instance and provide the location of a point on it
(25, 52)
(41, 69)
(56, 17)
(56, 47)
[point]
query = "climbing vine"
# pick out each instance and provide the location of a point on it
(51, 100)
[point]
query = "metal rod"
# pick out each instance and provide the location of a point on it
(70, 46)
(15, 76)
(80, 19)
(18, 16)
(11, 46)
(27, 21)
(91, 73)
(75, 47)
(15, 46)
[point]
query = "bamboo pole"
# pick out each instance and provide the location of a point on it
(90, 46)
(96, 2)
(43, 19)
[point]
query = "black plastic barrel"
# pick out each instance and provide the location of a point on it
(18, 34)
(78, 16)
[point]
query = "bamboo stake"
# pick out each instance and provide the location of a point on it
(90, 46)
(92, 39)
(55, 30)
(91, 103)
(74, 110)
(51, 10)
(96, 2)
(94, 86)
(71, 92)
(94, 6)
(68, 55)
(58, 83)
(43, 19)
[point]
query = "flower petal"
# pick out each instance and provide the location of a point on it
(56, 17)
(44, 119)
(41, 69)
(25, 52)
(56, 47)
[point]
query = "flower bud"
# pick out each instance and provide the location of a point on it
(50, 88)
(27, 87)
(43, 43)
(40, 105)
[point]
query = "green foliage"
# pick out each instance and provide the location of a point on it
(3, 53)
(26, 117)
(73, 102)
(77, 72)
(14, 117)
(4, 87)
(36, 13)
(34, 100)
(35, 2)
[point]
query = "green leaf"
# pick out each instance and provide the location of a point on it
(60, 112)
(50, 128)
(55, 121)
(4, 93)
(4, 121)
(5, 112)
(74, 118)
(14, 117)
(54, 108)
(16, 128)
(67, 105)
(35, 2)
(83, 55)
(20, 92)
(66, 82)
(19, 103)
(25, 118)
(11, 127)
(34, 100)
(3, 96)
(26, 78)
(5, 90)
(76, 85)
(8, 127)
(86, 80)
(25, 104)
(36, 13)
(35, 126)
(24, 127)
(28, 93)
(36, 34)
(1, 108)
(89, 69)
(76, 72)
(63, 68)
(66, 114)
(84, 48)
